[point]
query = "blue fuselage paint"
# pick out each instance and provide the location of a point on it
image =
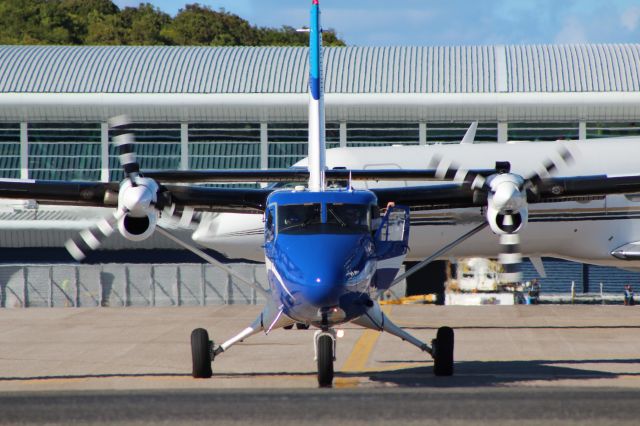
(324, 272)
(315, 62)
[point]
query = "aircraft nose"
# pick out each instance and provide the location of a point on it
(324, 279)
(322, 272)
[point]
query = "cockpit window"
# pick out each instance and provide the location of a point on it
(348, 218)
(340, 219)
(299, 218)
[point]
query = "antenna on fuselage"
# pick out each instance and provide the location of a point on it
(317, 154)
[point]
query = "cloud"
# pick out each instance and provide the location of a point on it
(573, 31)
(630, 18)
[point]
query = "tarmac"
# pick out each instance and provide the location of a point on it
(580, 358)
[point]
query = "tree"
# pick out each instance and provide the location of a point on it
(200, 25)
(143, 25)
(102, 22)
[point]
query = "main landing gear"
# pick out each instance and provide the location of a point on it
(442, 352)
(441, 349)
(203, 351)
(201, 354)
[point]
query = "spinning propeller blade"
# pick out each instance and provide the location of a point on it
(92, 238)
(507, 209)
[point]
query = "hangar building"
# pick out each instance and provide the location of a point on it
(246, 107)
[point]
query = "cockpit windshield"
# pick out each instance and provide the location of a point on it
(339, 219)
(348, 218)
(299, 218)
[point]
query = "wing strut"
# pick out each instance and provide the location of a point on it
(439, 253)
(257, 287)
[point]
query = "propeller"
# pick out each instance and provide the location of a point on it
(507, 209)
(140, 200)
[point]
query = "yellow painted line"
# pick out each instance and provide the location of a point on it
(362, 349)
(359, 356)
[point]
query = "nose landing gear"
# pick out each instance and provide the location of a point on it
(324, 347)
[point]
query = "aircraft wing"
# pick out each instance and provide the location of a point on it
(251, 200)
(294, 175)
(453, 195)
(100, 194)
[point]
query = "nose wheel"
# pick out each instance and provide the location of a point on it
(325, 345)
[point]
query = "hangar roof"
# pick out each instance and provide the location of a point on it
(254, 70)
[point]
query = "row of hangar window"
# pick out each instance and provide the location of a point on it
(73, 151)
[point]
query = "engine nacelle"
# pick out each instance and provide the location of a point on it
(138, 204)
(137, 228)
(507, 209)
(506, 223)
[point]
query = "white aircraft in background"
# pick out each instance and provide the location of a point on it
(582, 227)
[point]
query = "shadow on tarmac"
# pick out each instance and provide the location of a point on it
(499, 373)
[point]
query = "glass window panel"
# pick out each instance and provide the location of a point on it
(611, 130)
(157, 147)
(542, 131)
(288, 142)
(10, 150)
(224, 146)
(64, 151)
(382, 134)
(454, 132)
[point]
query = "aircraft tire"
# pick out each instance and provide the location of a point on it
(201, 354)
(301, 326)
(325, 361)
(443, 352)
(288, 327)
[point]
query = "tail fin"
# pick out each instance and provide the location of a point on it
(317, 159)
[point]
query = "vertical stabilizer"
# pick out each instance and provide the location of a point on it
(317, 160)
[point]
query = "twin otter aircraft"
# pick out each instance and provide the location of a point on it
(329, 249)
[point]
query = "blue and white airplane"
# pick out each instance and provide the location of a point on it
(329, 249)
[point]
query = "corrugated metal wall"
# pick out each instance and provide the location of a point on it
(404, 69)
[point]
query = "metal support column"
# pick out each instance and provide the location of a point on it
(503, 132)
(184, 146)
(422, 133)
(264, 146)
(24, 151)
(343, 134)
(104, 152)
(582, 130)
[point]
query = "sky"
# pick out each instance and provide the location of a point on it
(444, 22)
